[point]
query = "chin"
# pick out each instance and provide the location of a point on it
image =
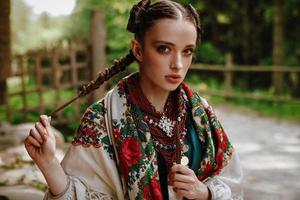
(171, 88)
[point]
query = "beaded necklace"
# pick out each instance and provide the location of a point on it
(164, 126)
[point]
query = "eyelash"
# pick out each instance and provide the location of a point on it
(162, 49)
(191, 51)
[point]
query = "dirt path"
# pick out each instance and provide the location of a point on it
(269, 151)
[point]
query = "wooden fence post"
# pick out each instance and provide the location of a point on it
(56, 77)
(98, 45)
(278, 45)
(228, 79)
(39, 80)
(295, 79)
(74, 74)
(22, 62)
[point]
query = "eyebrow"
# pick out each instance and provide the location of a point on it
(172, 44)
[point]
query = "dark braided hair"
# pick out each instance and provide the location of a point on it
(118, 66)
(142, 17)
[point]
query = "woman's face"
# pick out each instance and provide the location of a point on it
(166, 53)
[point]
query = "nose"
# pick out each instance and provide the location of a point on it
(176, 63)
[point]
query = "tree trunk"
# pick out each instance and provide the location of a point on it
(98, 44)
(245, 32)
(5, 51)
(278, 48)
(245, 28)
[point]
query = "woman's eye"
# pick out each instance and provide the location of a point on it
(163, 49)
(188, 51)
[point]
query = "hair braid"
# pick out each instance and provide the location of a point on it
(196, 17)
(118, 66)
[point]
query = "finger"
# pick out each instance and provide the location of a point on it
(33, 141)
(41, 129)
(182, 178)
(33, 132)
(27, 142)
(181, 185)
(177, 168)
(45, 120)
(181, 192)
(43, 135)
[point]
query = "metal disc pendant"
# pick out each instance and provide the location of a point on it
(184, 161)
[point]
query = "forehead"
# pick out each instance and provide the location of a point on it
(177, 31)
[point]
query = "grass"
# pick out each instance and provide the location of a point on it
(282, 111)
(33, 99)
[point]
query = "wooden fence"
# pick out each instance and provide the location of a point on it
(58, 70)
(228, 70)
(68, 68)
(55, 70)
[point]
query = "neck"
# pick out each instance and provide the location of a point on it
(155, 95)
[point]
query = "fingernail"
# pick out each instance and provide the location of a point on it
(49, 120)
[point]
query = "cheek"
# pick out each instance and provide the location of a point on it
(187, 63)
(156, 62)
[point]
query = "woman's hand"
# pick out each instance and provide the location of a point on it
(40, 143)
(185, 183)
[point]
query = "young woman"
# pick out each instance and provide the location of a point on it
(151, 137)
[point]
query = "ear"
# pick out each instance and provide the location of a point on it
(137, 50)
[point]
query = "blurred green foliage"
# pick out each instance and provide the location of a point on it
(241, 27)
(31, 31)
(207, 53)
(116, 16)
(15, 103)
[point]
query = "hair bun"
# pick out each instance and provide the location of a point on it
(135, 13)
(131, 26)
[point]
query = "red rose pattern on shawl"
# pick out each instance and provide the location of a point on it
(152, 191)
(135, 155)
(130, 153)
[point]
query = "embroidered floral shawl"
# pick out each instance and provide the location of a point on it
(109, 124)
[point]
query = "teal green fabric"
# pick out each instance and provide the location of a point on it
(193, 154)
(194, 151)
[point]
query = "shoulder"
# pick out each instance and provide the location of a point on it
(194, 97)
(92, 128)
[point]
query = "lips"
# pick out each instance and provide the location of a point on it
(174, 78)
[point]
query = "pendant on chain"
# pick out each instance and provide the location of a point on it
(167, 125)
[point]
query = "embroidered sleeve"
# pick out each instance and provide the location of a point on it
(77, 190)
(228, 184)
(218, 189)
